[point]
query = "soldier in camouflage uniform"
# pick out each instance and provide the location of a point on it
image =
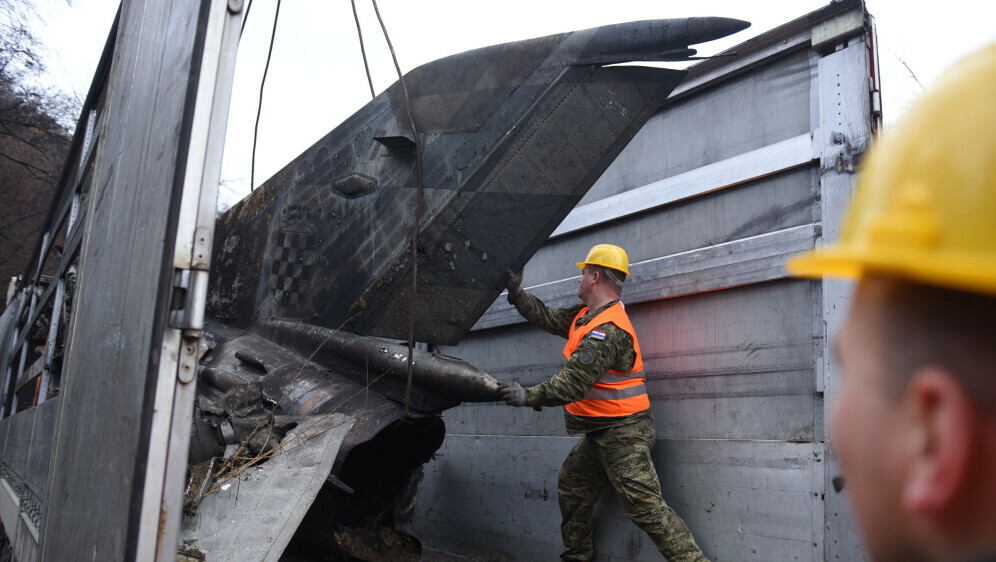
(617, 426)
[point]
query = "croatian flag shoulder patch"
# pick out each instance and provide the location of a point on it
(597, 335)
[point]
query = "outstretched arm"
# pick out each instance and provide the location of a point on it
(556, 321)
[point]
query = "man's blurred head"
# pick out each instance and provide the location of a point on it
(914, 422)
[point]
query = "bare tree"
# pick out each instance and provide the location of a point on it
(34, 139)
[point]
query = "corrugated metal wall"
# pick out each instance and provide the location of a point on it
(750, 163)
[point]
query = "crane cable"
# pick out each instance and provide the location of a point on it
(363, 51)
(418, 212)
(262, 83)
(245, 18)
(418, 162)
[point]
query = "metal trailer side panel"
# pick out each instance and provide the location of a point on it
(102, 432)
(748, 215)
(115, 432)
(734, 364)
(736, 353)
(18, 443)
(40, 451)
(14, 469)
(739, 110)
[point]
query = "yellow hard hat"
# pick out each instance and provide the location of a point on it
(924, 207)
(607, 255)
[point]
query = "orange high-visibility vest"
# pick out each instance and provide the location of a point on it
(615, 393)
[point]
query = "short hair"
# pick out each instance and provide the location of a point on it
(616, 277)
(927, 325)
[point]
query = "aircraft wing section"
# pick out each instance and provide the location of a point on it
(512, 137)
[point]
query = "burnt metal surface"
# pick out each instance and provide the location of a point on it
(512, 137)
(448, 378)
(275, 497)
(256, 398)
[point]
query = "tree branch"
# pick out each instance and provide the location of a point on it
(45, 176)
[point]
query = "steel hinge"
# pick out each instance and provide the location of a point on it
(188, 301)
(876, 103)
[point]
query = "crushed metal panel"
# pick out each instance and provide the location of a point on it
(254, 517)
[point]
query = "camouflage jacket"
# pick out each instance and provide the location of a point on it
(615, 352)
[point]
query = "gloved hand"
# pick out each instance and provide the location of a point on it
(512, 393)
(514, 285)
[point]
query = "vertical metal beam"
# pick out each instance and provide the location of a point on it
(8, 384)
(46, 242)
(60, 293)
(176, 385)
(25, 326)
(876, 77)
(53, 335)
(91, 122)
(845, 115)
(7, 351)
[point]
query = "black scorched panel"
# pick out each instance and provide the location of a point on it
(512, 137)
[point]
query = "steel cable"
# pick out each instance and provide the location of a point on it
(363, 50)
(259, 108)
(418, 211)
(245, 18)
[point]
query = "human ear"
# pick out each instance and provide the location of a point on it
(938, 437)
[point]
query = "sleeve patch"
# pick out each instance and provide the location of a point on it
(587, 357)
(597, 335)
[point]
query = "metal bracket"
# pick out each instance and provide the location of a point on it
(187, 369)
(202, 247)
(188, 301)
(228, 433)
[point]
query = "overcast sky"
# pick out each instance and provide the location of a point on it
(316, 77)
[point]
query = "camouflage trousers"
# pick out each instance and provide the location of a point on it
(620, 456)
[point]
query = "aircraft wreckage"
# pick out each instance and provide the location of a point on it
(312, 283)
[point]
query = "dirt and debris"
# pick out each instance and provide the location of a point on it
(200, 475)
(378, 544)
(190, 555)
